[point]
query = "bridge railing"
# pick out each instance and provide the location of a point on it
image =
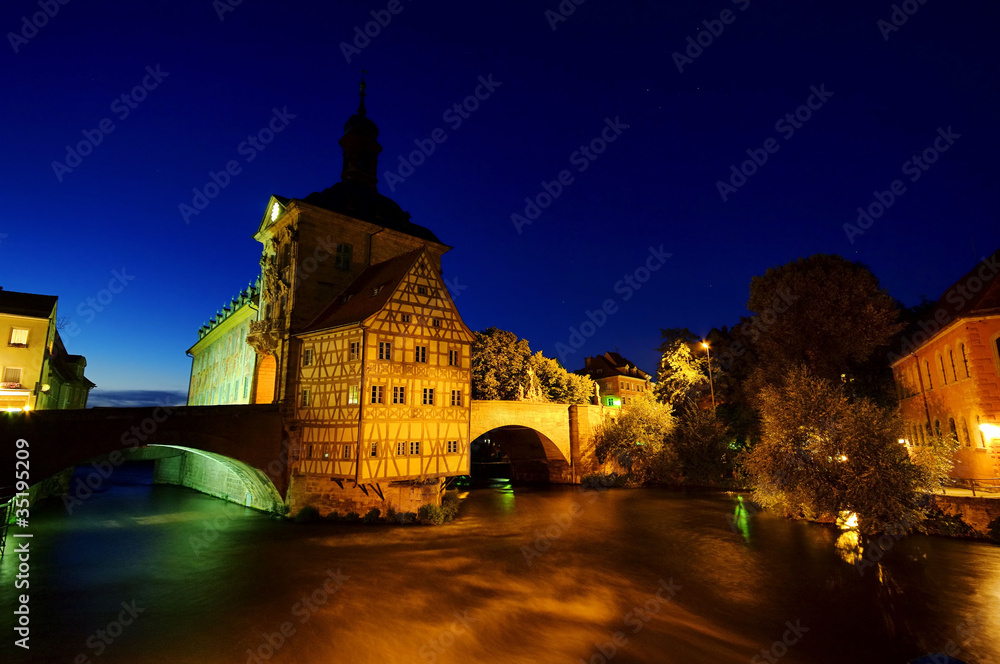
(988, 485)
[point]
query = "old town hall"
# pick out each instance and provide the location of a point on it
(351, 331)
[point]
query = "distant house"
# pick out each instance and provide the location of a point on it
(947, 373)
(37, 372)
(617, 378)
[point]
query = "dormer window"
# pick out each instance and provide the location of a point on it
(376, 291)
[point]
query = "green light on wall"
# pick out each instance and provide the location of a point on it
(612, 401)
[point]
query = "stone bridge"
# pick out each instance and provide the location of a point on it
(240, 453)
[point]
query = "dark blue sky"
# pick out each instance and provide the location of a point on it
(656, 184)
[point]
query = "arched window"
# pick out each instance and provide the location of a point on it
(944, 375)
(951, 358)
(965, 431)
(930, 379)
(923, 441)
(937, 428)
(981, 440)
(954, 429)
(965, 361)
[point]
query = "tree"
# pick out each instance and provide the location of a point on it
(822, 453)
(557, 384)
(635, 440)
(703, 442)
(499, 364)
(825, 313)
(682, 376)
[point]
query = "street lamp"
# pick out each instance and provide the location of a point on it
(711, 385)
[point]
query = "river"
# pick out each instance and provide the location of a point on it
(141, 573)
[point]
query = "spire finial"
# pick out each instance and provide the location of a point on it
(361, 106)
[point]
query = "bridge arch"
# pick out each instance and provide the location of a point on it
(533, 456)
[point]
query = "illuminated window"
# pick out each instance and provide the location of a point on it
(377, 394)
(982, 436)
(353, 394)
(452, 358)
(400, 449)
(428, 396)
(307, 357)
(385, 350)
(246, 387)
(965, 361)
(343, 260)
(452, 446)
(18, 337)
(374, 450)
(414, 448)
(355, 349)
(420, 354)
(12, 375)
(399, 394)
(456, 397)
(965, 431)
(304, 399)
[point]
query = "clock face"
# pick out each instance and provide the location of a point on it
(275, 211)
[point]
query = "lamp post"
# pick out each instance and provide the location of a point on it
(711, 385)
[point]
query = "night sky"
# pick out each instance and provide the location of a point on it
(213, 81)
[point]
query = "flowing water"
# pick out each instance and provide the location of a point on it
(142, 573)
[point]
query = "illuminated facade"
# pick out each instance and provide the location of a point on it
(222, 364)
(619, 380)
(37, 372)
(356, 338)
(948, 374)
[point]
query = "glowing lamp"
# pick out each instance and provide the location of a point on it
(990, 430)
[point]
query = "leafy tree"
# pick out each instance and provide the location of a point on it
(822, 453)
(682, 375)
(825, 313)
(499, 364)
(703, 442)
(557, 384)
(635, 440)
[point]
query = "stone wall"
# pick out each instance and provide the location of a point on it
(344, 497)
(977, 512)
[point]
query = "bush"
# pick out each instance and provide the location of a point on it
(993, 530)
(431, 514)
(406, 518)
(390, 514)
(333, 516)
(450, 504)
(939, 523)
(307, 514)
(598, 481)
(372, 515)
(352, 516)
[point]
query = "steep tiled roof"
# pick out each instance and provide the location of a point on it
(27, 304)
(364, 203)
(367, 295)
(611, 364)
